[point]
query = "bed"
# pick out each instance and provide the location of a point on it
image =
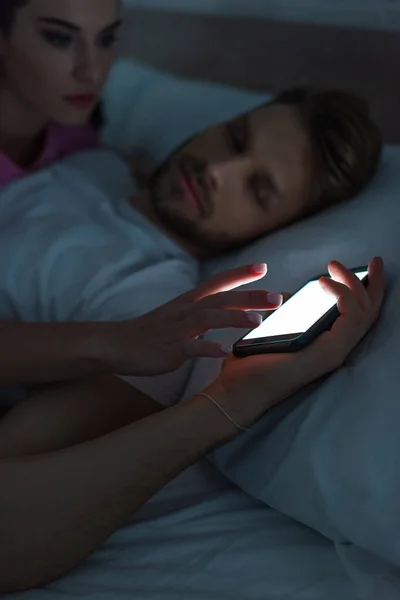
(269, 56)
(202, 537)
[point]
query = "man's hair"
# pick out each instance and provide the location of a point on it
(346, 142)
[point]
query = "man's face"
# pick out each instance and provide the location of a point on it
(236, 181)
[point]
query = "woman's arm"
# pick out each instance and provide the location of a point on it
(36, 353)
(155, 343)
(57, 508)
(63, 415)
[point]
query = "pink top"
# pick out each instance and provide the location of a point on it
(60, 141)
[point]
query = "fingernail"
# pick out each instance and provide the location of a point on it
(227, 348)
(254, 318)
(275, 298)
(260, 268)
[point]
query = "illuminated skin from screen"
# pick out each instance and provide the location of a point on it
(299, 313)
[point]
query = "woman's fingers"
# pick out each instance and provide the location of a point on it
(368, 297)
(246, 300)
(200, 322)
(376, 284)
(339, 273)
(228, 309)
(346, 301)
(205, 349)
(226, 281)
(356, 314)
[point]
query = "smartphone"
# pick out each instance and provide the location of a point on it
(294, 325)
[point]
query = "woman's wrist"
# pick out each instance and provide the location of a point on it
(209, 417)
(234, 404)
(100, 346)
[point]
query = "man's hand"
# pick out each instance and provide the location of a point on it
(248, 387)
(162, 340)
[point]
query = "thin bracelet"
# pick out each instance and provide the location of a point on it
(223, 411)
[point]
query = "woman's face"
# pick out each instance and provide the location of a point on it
(57, 56)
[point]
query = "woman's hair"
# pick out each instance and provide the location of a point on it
(346, 142)
(8, 11)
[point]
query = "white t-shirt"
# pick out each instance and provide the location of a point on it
(72, 248)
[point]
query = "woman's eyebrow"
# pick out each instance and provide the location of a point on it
(71, 26)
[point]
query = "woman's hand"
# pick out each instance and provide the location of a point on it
(162, 340)
(248, 387)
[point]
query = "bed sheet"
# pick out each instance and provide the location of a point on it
(201, 538)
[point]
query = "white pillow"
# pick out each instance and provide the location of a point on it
(151, 113)
(330, 456)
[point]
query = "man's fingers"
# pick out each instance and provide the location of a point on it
(227, 281)
(247, 300)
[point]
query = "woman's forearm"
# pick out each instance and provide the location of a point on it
(56, 509)
(32, 353)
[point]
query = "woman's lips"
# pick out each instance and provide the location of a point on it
(82, 101)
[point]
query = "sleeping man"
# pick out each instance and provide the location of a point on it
(86, 248)
(243, 179)
(79, 246)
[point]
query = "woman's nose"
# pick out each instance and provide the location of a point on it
(89, 71)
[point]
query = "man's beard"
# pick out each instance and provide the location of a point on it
(189, 230)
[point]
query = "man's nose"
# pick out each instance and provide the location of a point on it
(220, 173)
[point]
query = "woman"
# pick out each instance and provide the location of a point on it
(54, 60)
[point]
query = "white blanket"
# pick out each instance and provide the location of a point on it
(202, 539)
(72, 248)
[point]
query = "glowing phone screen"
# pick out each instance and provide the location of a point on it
(299, 313)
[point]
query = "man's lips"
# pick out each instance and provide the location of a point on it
(192, 192)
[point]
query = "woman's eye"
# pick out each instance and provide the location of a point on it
(59, 40)
(109, 40)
